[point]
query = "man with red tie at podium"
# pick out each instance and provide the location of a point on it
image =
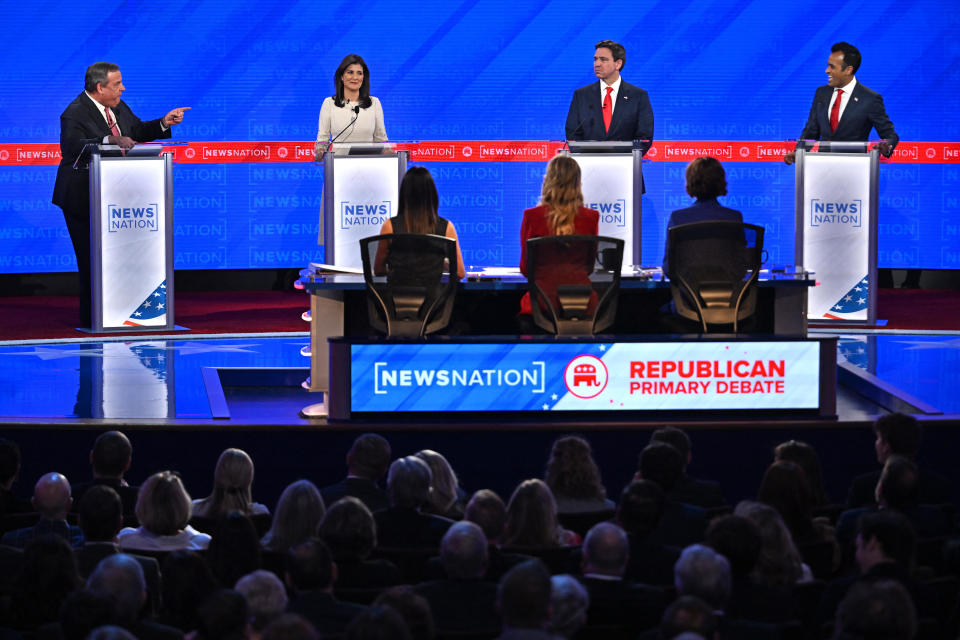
(843, 109)
(610, 109)
(97, 115)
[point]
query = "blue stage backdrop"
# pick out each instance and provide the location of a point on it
(472, 70)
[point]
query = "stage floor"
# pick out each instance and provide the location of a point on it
(170, 381)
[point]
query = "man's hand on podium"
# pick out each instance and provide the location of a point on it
(175, 116)
(124, 142)
(790, 157)
(884, 148)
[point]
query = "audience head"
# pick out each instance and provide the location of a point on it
(443, 481)
(408, 482)
(187, 582)
(463, 551)
(378, 623)
(676, 438)
(572, 471)
(640, 507)
(290, 626)
(531, 516)
(876, 610)
(898, 484)
(704, 573)
(661, 463)
(688, 614)
(738, 540)
(82, 612)
(47, 576)
(223, 616)
(101, 513)
(487, 510)
(523, 596)
(412, 607)
(806, 457)
(110, 632)
(299, 511)
(885, 536)
(309, 566)
(779, 563)
(9, 462)
(349, 530)
(369, 457)
(418, 201)
(111, 454)
(265, 595)
(897, 433)
(234, 549)
(605, 550)
(784, 487)
(120, 577)
(569, 602)
(562, 194)
(706, 178)
(232, 479)
(51, 496)
(163, 504)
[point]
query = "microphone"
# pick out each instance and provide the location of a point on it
(356, 114)
(579, 127)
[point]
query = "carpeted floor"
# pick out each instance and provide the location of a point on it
(50, 317)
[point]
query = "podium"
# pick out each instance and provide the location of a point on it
(131, 238)
(612, 183)
(361, 188)
(836, 229)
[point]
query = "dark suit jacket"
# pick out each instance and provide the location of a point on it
(700, 493)
(650, 563)
(615, 602)
(81, 123)
(409, 529)
(364, 490)
(327, 614)
(699, 211)
(864, 111)
(680, 526)
(932, 488)
(632, 115)
(20, 538)
(128, 495)
(924, 597)
(461, 605)
(90, 554)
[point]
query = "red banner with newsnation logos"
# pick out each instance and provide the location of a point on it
(13, 154)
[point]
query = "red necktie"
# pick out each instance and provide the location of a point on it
(114, 129)
(835, 112)
(607, 110)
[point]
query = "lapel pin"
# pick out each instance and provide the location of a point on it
(626, 97)
(856, 99)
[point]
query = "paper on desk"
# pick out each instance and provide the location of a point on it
(333, 268)
(500, 271)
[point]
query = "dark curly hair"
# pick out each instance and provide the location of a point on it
(571, 470)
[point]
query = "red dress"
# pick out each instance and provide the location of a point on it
(535, 225)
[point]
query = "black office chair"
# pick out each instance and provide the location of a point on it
(714, 267)
(411, 282)
(574, 282)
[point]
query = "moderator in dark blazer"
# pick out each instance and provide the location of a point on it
(864, 111)
(632, 115)
(81, 123)
(363, 489)
(700, 211)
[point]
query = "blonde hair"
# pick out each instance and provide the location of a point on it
(232, 479)
(562, 194)
(163, 504)
(531, 516)
(443, 482)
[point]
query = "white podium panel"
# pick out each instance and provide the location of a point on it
(609, 186)
(131, 229)
(838, 226)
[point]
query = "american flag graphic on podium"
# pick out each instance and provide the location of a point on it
(153, 307)
(852, 301)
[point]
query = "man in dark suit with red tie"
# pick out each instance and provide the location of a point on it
(97, 115)
(843, 109)
(610, 109)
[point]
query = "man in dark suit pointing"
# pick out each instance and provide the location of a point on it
(610, 109)
(97, 115)
(843, 109)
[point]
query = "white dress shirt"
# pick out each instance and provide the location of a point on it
(613, 94)
(844, 98)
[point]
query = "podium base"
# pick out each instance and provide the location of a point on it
(317, 410)
(176, 327)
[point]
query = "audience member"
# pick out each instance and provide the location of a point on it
(295, 520)
(367, 462)
(9, 474)
(310, 575)
(613, 601)
(779, 564)
(403, 525)
(51, 499)
(110, 632)
(49, 574)
(121, 578)
(378, 623)
(232, 480)
(486, 510)
(413, 608)
(523, 597)
(688, 490)
(447, 499)
(187, 582)
(784, 487)
(234, 550)
(463, 600)
(704, 573)
(806, 457)
(266, 599)
(689, 614)
(110, 459)
(532, 518)
(569, 602)
(82, 612)
(163, 509)
(681, 524)
(349, 532)
(290, 626)
(880, 610)
(638, 513)
(574, 478)
(223, 616)
(899, 434)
